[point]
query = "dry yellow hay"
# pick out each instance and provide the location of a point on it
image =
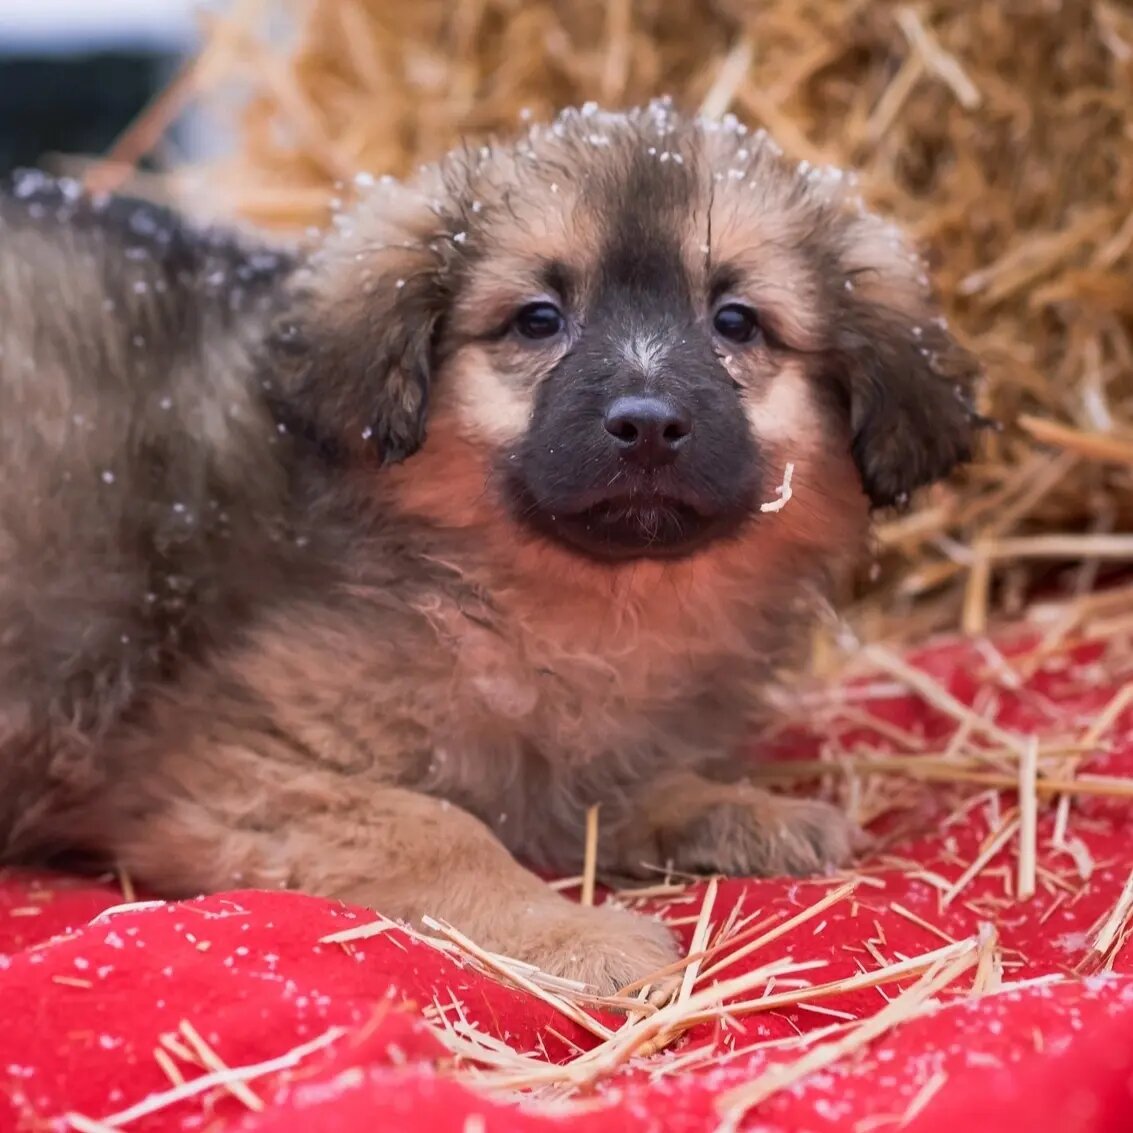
(733, 1105)
(230, 1078)
(997, 133)
(208, 1058)
(698, 941)
(1109, 933)
(1028, 821)
(590, 858)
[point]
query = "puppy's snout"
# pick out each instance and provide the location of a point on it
(648, 430)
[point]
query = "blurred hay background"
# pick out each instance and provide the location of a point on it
(1000, 134)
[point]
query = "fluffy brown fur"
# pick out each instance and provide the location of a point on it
(302, 578)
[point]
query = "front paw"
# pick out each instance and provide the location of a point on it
(604, 947)
(760, 834)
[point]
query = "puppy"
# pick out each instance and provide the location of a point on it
(369, 571)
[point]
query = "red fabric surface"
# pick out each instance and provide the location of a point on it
(85, 999)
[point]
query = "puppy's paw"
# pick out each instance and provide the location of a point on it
(604, 947)
(760, 834)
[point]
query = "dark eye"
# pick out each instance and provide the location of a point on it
(736, 323)
(539, 320)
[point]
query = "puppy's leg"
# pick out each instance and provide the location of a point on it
(404, 854)
(737, 828)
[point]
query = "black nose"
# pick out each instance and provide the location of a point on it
(648, 430)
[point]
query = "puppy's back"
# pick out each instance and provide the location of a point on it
(137, 459)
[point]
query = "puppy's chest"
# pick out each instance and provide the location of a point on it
(535, 729)
(572, 696)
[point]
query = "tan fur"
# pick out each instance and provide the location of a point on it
(785, 414)
(362, 674)
(488, 405)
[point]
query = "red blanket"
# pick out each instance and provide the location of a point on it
(104, 1015)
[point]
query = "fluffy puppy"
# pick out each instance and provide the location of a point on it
(369, 574)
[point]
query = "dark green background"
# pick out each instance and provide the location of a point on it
(74, 104)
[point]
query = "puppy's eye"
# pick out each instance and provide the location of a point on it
(736, 323)
(539, 321)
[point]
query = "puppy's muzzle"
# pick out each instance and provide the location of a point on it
(648, 431)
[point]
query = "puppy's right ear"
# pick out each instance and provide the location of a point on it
(353, 351)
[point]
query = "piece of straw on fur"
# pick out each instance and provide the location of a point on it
(783, 493)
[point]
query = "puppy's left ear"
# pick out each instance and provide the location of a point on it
(908, 381)
(354, 349)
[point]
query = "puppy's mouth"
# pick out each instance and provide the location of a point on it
(631, 525)
(637, 527)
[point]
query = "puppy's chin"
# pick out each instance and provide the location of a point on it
(617, 529)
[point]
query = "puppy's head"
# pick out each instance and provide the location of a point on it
(630, 325)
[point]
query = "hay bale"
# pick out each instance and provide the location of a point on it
(997, 133)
